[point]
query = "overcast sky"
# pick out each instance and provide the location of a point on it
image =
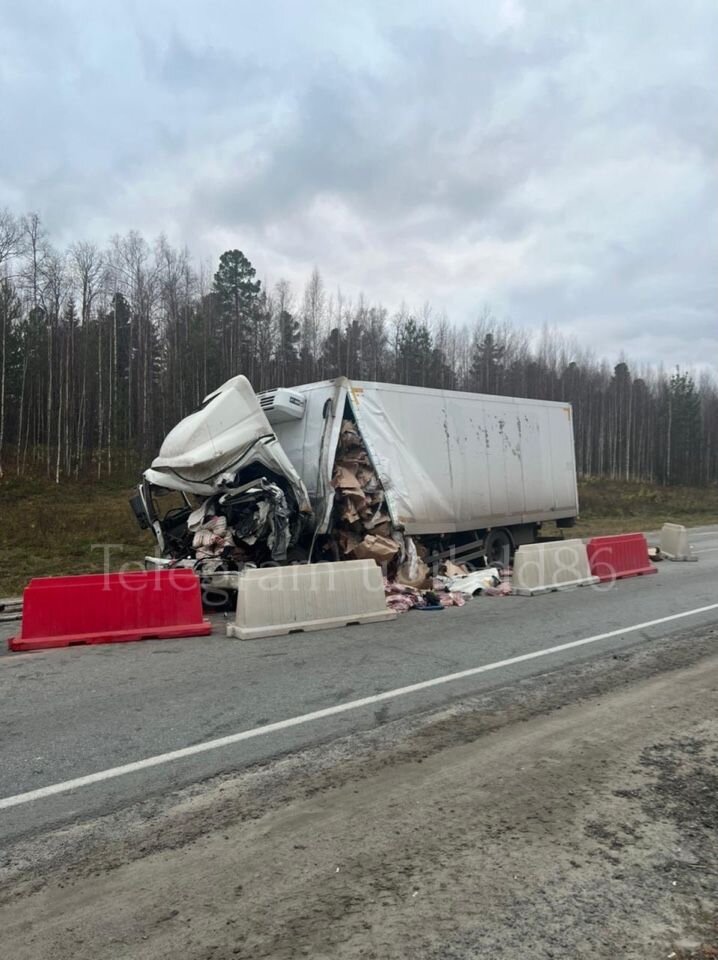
(556, 160)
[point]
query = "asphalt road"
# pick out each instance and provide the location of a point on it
(67, 714)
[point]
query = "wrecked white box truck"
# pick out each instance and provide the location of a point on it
(352, 469)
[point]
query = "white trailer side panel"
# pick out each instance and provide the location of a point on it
(455, 461)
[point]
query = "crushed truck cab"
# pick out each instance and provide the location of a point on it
(235, 485)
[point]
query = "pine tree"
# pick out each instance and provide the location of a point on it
(237, 292)
(487, 364)
(414, 353)
(288, 348)
(683, 424)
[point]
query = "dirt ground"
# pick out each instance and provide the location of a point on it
(572, 816)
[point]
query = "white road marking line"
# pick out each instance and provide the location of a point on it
(706, 550)
(233, 738)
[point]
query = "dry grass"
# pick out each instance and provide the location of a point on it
(51, 530)
(613, 506)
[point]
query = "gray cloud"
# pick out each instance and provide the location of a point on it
(554, 161)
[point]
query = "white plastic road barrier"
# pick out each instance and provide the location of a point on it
(277, 600)
(674, 543)
(544, 567)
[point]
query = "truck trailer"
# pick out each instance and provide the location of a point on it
(345, 468)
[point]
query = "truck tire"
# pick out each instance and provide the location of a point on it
(498, 547)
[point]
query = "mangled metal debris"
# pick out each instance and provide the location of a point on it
(232, 525)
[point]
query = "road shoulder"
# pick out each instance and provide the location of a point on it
(574, 813)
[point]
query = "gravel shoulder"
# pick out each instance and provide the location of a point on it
(573, 815)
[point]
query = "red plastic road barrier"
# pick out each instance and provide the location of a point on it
(110, 608)
(613, 558)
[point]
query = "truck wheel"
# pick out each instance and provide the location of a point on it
(217, 601)
(498, 547)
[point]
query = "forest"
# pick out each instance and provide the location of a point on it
(104, 349)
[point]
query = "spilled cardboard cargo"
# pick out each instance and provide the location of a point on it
(362, 528)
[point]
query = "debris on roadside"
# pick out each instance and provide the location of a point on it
(474, 582)
(503, 590)
(451, 598)
(401, 597)
(431, 602)
(414, 571)
(489, 582)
